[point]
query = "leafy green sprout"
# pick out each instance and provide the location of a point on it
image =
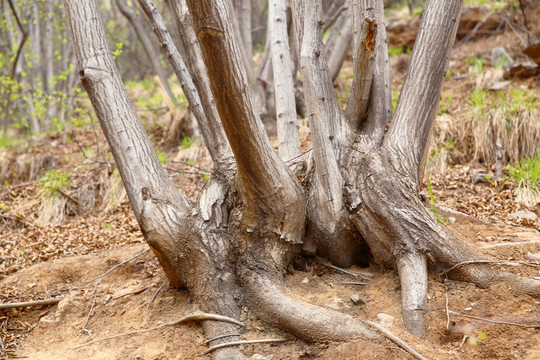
(162, 156)
(53, 182)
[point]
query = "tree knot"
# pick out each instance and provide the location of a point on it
(145, 193)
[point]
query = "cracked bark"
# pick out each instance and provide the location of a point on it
(360, 197)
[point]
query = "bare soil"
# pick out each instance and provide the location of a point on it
(69, 260)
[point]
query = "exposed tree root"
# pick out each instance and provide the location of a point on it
(192, 317)
(242, 342)
(306, 321)
(395, 339)
(412, 270)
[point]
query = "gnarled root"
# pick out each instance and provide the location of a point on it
(306, 321)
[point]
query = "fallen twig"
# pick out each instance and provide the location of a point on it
(515, 243)
(356, 275)
(497, 262)
(395, 339)
(16, 219)
(234, 343)
(100, 277)
(8, 190)
(219, 337)
(30, 303)
(198, 316)
(188, 164)
(492, 321)
(155, 294)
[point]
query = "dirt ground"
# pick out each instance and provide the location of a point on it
(94, 260)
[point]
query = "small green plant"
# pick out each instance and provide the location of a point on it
(53, 182)
(526, 176)
(394, 51)
(3, 208)
(433, 205)
(162, 156)
(475, 65)
(395, 98)
(444, 105)
(186, 142)
(118, 51)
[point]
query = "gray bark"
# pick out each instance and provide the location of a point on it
(197, 69)
(212, 131)
(287, 126)
(151, 53)
(363, 61)
(408, 135)
(231, 247)
(380, 104)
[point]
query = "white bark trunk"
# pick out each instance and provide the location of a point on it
(287, 126)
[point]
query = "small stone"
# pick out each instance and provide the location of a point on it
(139, 357)
(338, 304)
(385, 319)
(357, 300)
(262, 357)
(468, 308)
(532, 256)
(305, 280)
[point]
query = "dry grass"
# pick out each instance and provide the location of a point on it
(512, 117)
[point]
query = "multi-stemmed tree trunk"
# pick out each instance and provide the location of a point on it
(360, 188)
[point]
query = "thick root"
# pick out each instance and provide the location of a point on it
(306, 321)
(413, 275)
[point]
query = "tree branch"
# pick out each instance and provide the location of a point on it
(265, 183)
(408, 135)
(363, 61)
(212, 131)
(380, 100)
(287, 126)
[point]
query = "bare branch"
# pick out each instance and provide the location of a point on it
(287, 126)
(411, 127)
(340, 47)
(148, 47)
(327, 123)
(30, 303)
(210, 126)
(380, 101)
(364, 60)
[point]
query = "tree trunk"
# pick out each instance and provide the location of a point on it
(287, 126)
(232, 246)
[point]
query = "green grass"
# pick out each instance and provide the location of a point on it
(526, 176)
(433, 205)
(53, 182)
